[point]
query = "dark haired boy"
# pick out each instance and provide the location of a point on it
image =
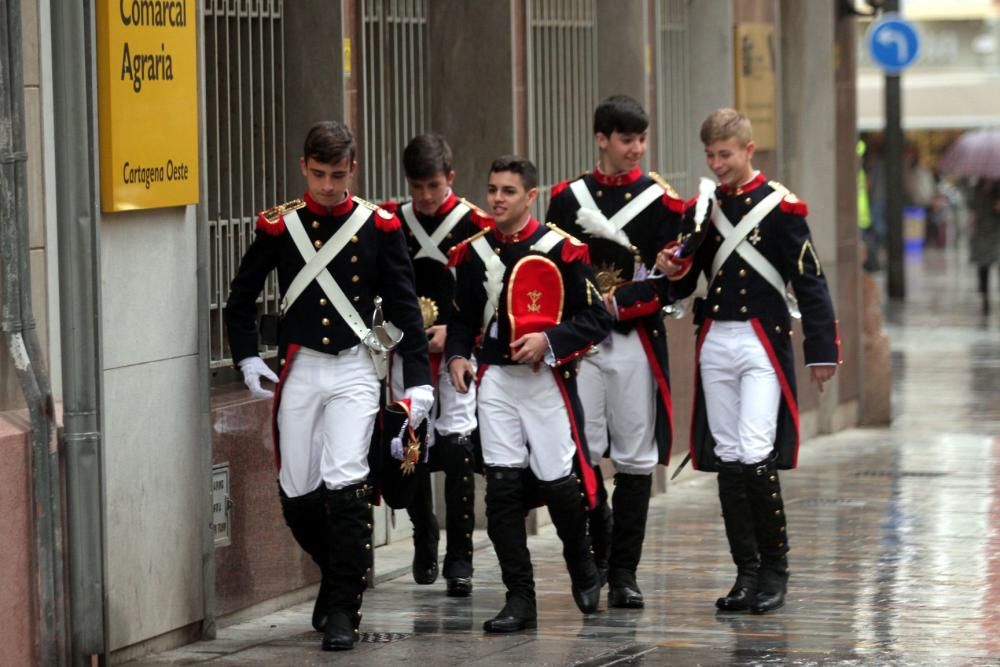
(626, 217)
(435, 219)
(746, 421)
(334, 254)
(525, 292)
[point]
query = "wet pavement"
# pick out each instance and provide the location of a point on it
(895, 538)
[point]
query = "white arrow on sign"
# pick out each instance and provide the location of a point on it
(889, 36)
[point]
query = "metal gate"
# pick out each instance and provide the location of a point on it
(562, 89)
(395, 93)
(244, 93)
(672, 85)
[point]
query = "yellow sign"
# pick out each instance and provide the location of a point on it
(147, 59)
(755, 93)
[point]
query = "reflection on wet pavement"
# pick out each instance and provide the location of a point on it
(895, 537)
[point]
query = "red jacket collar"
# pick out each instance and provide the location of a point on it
(751, 185)
(621, 179)
(342, 208)
(447, 205)
(518, 236)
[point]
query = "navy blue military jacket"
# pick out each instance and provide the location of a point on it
(435, 283)
(375, 262)
(585, 320)
(739, 293)
(648, 231)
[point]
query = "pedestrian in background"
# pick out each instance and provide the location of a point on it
(984, 241)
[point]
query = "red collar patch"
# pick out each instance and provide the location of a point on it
(618, 180)
(754, 183)
(517, 236)
(342, 208)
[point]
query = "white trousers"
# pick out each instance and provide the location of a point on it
(326, 418)
(742, 393)
(453, 413)
(523, 421)
(618, 393)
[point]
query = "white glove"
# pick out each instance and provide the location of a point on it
(421, 401)
(254, 369)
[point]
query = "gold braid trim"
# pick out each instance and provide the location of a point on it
(273, 214)
(662, 182)
(808, 246)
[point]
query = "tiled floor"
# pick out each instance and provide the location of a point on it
(895, 537)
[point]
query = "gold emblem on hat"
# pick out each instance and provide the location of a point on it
(608, 275)
(428, 310)
(410, 457)
(534, 306)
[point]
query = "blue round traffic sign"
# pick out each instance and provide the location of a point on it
(893, 43)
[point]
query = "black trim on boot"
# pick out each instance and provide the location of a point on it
(349, 525)
(630, 508)
(517, 614)
(601, 522)
(505, 513)
(564, 499)
(770, 528)
(426, 532)
(339, 634)
(737, 515)
(456, 458)
(306, 517)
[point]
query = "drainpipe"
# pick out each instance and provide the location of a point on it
(18, 325)
(204, 270)
(74, 98)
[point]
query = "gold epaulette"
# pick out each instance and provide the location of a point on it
(481, 232)
(555, 228)
(273, 214)
(375, 207)
(662, 182)
(778, 187)
(472, 206)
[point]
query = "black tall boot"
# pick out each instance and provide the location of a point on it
(601, 523)
(460, 517)
(768, 506)
(306, 517)
(564, 500)
(630, 506)
(505, 512)
(737, 514)
(349, 522)
(426, 532)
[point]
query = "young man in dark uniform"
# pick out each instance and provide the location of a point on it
(334, 255)
(435, 219)
(526, 292)
(746, 421)
(625, 217)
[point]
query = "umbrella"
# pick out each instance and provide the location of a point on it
(976, 153)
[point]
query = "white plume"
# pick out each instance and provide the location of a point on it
(706, 191)
(595, 224)
(494, 281)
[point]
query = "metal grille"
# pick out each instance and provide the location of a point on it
(394, 90)
(244, 69)
(672, 92)
(562, 89)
